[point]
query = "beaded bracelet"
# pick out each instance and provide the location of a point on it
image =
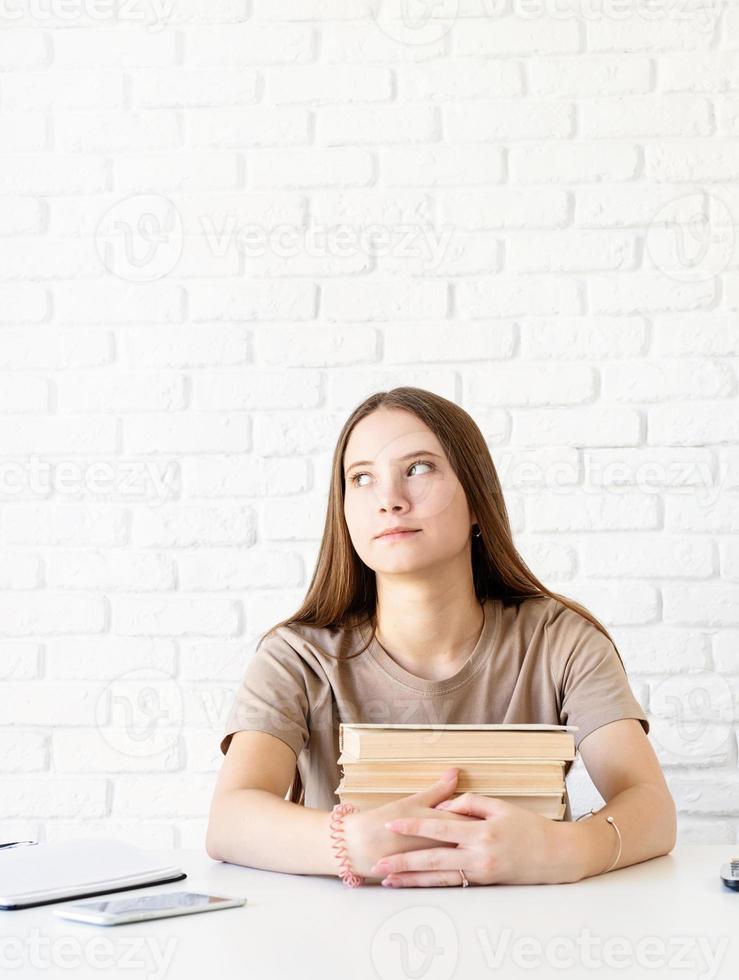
(612, 822)
(339, 811)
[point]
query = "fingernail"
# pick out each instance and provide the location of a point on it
(450, 775)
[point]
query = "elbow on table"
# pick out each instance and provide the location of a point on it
(212, 836)
(211, 846)
(670, 821)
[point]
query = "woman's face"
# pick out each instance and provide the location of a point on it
(421, 491)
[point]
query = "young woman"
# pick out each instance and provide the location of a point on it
(444, 623)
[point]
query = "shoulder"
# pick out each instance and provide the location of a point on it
(556, 616)
(315, 646)
(576, 647)
(535, 613)
(563, 631)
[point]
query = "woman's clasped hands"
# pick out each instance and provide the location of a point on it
(424, 839)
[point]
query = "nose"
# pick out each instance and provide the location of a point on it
(390, 496)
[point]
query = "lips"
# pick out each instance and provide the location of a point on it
(399, 534)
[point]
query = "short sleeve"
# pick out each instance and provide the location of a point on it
(272, 696)
(593, 685)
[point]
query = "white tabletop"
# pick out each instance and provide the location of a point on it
(668, 917)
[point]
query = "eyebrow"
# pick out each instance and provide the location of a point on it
(418, 452)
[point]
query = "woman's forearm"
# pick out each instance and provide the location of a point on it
(646, 820)
(257, 829)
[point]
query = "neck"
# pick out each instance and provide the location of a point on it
(430, 634)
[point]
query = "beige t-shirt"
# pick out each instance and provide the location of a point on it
(535, 662)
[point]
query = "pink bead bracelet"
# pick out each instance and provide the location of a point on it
(346, 874)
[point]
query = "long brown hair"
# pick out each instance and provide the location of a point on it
(342, 591)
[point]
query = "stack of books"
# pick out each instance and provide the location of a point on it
(523, 764)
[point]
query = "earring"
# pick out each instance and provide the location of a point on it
(478, 532)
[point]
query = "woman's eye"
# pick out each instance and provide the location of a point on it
(419, 462)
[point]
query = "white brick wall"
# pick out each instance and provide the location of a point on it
(538, 206)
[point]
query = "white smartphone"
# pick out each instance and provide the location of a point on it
(115, 911)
